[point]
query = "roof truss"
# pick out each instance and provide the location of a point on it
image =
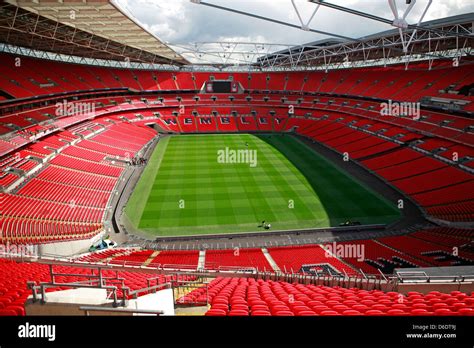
(92, 29)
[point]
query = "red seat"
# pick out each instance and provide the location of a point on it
(329, 312)
(7, 312)
(18, 310)
(399, 306)
(440, 305)
(239, 306)
(221, 306)
(283, 314)
(419, 311)
(443, 311)
(466, 311)
(279, 308)
(340, 307)
(306, 313)
(259, 307)
(215, 312)
(238, 312)
(320, 308)
(380, 307)
(459, 305)
(396, 312)
(361, 308)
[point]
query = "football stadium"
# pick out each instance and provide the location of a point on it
(331, 175)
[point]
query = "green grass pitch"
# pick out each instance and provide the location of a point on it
(185, 190)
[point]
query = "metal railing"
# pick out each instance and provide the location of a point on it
(43, 286)
(148, 289)
(116, 283)
(422, 277)
(95, 280)
(88, 309)
(183, 287)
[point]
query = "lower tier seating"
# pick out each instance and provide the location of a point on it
(434, 254)
(14, 276)
(237, 257)
(424, 248)
(247, 296)
(68, 197)
(292, 259)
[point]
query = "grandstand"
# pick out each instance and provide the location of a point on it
(369, 213)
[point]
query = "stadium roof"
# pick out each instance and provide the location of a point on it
(440, 38)
(99, 32)
(85, 28)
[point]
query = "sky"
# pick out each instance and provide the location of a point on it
(180, 22)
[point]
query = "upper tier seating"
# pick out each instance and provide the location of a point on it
(393, 82)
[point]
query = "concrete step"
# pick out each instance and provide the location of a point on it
(202, 259)
(270, 260)
(151, 258)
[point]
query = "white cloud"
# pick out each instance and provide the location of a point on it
(182, 22)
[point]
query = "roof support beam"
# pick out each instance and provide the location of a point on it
(304, 26)
(274, 20)
(377, 18)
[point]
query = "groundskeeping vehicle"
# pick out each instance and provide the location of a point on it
(103, 244)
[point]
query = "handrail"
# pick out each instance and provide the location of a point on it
(422, 277)
(381, 273)
(88, 309)
(184, 266)
(148, 289)
(360, 280)
(43, 286)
